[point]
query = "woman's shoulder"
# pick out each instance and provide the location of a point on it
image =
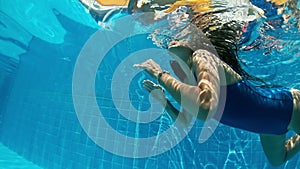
(224, 69)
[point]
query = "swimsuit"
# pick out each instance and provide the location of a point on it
(259, 110)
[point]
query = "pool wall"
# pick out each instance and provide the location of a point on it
(39, 120)
(8, 70)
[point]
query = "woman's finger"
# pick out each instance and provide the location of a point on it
(147, 88)
(147, 63)
(149, 84)
(141, 65)
(150, 67)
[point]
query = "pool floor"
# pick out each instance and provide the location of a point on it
(11, 160)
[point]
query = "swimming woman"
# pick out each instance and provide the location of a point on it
(270, 112)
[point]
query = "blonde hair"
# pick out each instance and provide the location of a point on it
(196, 5)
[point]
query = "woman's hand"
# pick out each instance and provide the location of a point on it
(156, 91)
(151, 67)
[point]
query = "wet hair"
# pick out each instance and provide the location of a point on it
(225, 39)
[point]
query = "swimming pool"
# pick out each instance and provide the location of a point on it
(40, 46)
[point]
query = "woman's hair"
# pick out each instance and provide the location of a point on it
(225, 38)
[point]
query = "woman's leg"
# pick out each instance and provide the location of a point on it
(274, 148)
(292, 146)
(277, 150)
(295, 121)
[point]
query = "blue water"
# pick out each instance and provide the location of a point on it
(39, 45)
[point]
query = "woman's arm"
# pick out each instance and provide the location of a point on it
(199, 101)
(193, 99)
(183, 118)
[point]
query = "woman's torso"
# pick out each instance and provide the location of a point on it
(245, 106)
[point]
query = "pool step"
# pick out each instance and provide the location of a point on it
(11, 160)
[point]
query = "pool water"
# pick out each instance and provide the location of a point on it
(40, 43)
